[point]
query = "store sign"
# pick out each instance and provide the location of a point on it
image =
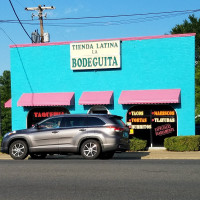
(163, 120)
(141, 126)
(95, 55)
(47, 114)
(166, 113)
(164, 130)
(38, 114)
(138, 120)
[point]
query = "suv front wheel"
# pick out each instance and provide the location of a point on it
(90, 149)
(18, 150)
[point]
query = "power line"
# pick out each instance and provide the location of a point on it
(110, 23)
(107, 23)
(124, 15)
(19, 3)
(20, 58)
(19, 20)
(117, 16)
(8, 36)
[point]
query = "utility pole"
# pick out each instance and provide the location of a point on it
(40, 15)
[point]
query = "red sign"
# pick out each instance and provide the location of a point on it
(164, 130)
(47, 114)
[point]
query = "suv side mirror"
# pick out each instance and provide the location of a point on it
(37, 126)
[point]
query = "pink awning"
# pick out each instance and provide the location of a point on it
(150, 96)
(96, 98)
(8, 104)
(46, 99)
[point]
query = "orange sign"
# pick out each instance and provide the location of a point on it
(138, 119)
(158, 113)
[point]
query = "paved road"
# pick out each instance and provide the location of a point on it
(76, 178)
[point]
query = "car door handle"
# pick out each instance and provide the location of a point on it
(54, 131)
(82, 129)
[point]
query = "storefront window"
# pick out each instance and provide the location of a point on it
(50, 123)
(38, 114)
(153, 123)
(98, 110)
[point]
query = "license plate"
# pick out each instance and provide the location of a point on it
(125, 134)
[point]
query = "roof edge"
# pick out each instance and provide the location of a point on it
(97, 40)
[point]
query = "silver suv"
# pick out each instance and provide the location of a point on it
(92, 136)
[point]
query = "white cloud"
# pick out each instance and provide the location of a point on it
(73, 10)
(70, 30)
(51, 14)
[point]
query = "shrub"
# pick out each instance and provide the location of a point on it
(137, 144)
(182, 143)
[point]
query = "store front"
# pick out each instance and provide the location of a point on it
(151, 117)
(149, 81)
(153, 123)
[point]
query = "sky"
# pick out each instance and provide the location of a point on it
(92, 28)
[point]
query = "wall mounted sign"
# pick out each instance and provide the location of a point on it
(164, 129)
(38, 114)
(47, 114)
(95, 55)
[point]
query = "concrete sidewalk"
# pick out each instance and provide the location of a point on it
(164, 154)
(150, 154)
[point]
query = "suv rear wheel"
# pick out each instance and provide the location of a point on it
(18, 150)
(90, 149)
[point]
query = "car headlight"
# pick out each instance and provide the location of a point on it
(9, 133)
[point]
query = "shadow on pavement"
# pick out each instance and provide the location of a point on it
(117, 156)
(130, 155)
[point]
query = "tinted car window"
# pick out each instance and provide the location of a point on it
(72, 121)
(117, 121)
(51, 123)
(93, 121)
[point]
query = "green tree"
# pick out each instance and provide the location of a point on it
(5, 93)
(192, 25)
